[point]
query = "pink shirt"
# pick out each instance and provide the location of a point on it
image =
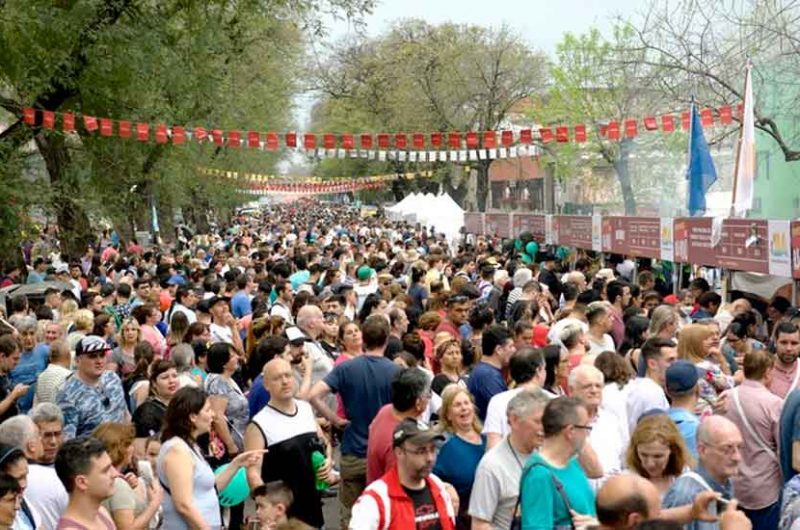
(380, 448)
(155, 338)
(759, 481)
(783, 381)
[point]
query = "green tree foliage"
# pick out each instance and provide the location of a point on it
(594, 81)
(232, 64)
(421, 77)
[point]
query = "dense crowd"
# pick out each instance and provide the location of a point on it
(241, 377)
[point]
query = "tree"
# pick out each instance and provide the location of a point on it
(420, 77)
(702, 47)
(231, 64)
(594, 82)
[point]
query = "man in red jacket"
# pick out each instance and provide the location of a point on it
(408, 496)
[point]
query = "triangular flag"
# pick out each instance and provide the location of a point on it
(68, 122)
(667, 123)
(29, 115)
(400, 141)
(291, 139)
(613, 130)
(90, 122)
(630, 128)
(726, 115)
(161, 133)
(348, 142)
(366, 141)
(507, 138)
(489, 139)
(707, 117)
(272, 141)
(545, 133)
(419, 141)
(309, 141)
(178, 134)
(526, 136)
(253, 139)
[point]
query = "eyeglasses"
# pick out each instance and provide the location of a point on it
(422, 451)
(728, 449)
(587, 428)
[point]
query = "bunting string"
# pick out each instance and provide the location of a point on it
(435, 146)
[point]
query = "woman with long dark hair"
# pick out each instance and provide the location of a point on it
(190, 486)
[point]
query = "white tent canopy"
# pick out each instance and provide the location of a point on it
(439, 211)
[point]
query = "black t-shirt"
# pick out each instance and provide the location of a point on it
(393, 347)
(425, 514)
(440, 382)
(5, 389)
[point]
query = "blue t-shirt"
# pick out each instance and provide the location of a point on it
(299, 278)
(542, 505)
(418, 294)
(789, 432)
(484, 382)
(456, 464)
(258, 396)
(687, 424)
(30, 365)
(240, 304)
(365, 385)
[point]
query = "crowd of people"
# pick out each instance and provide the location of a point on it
(241, 377)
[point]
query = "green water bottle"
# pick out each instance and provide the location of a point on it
(318, 462)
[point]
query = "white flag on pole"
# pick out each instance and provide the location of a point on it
(746, 167)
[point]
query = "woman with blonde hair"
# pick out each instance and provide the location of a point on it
(122, 358)
(465, 446)
(664, 323)
(66, 312)
(129, 507)
(696, 345)
(82, 324)
(657, 452)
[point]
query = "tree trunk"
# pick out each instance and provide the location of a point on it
(74, 225)
(623, 175)
(482, 186)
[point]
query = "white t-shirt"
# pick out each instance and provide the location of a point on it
(496, 417)
(644, 394)
(607, 344)
(609, 439)
(282, 311)
(221, 334)
(45, 495)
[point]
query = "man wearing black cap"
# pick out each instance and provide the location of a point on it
(93, 395)
(547, 275)
(409, 495)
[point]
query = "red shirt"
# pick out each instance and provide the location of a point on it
(448, 327)
(380, 450)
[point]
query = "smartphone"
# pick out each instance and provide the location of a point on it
(722, 504)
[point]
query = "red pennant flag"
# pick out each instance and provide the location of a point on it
(685, 120)
(124, 129)
(472, 140)
(580, 133)
(29, 115)
(253, 139)
(68, 122)
(142, 132)
(200, 134)
(545, 133)
(562, 135)
(348, 142)
(161, 133)
(400, 141)
(366, 141)
(216, 136)
(650, 123)
(291, 139)
(48, 119)
(726, 115)
(383, 141)
(234, 139)
(419, 141)
(454, 140)
(613, 130)
(526, 136)
(309, 141)
(707, 117)
(90, 122)
(272, 141)
(667, 122)
(329, 141)
(507, 138)
(630, 128)
(178, 134)
(436, 140)
(106, 127)
(489, 139)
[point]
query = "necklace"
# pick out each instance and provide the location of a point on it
(513, 452)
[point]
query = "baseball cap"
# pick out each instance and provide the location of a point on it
(294, 334)
(364, 272)
(177, 279)
(681, 377)
(214, 300)
(91, 344)
(63, 268)
(416, 432)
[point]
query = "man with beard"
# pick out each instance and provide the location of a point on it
(85, 469)
(785, 373)
(409, 495)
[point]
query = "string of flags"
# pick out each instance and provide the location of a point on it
(435, 146)
(309, 189)
(284, 179)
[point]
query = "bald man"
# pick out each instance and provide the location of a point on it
(310, 320)
(719, 446)
(626, 501)
(288, 428)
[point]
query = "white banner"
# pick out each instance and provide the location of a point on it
(667, 239)
(780, 255)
